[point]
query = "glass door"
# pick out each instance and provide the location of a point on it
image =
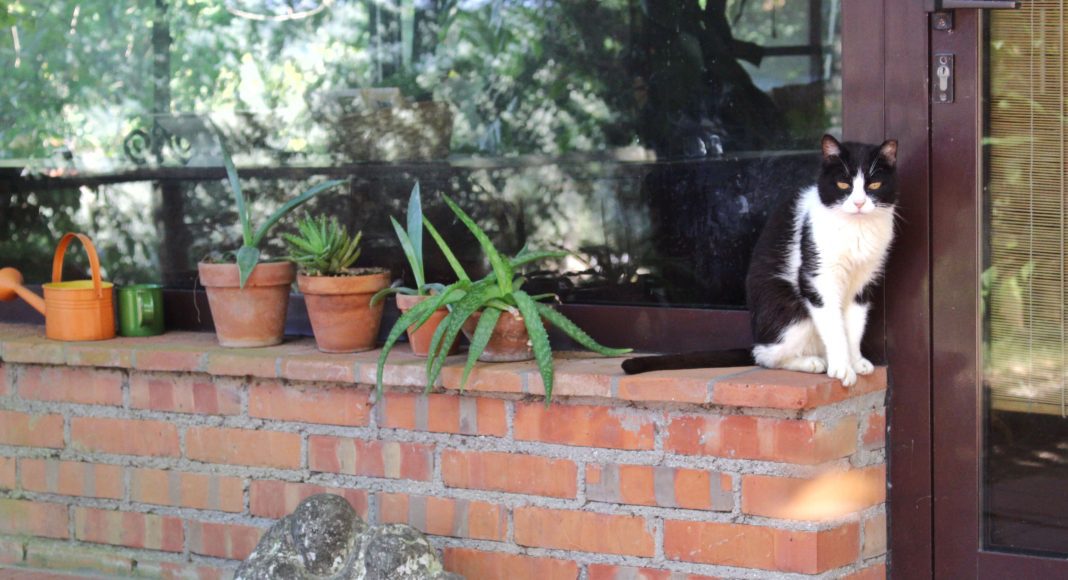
(1000, 281)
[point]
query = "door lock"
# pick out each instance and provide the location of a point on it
(943, 78)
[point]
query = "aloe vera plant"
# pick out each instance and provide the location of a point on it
(324, 247)
(500, 291)
(248, 255)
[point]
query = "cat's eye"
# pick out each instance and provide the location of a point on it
(843, 185)
(875, 186)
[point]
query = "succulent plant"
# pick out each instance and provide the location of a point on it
(323, 247)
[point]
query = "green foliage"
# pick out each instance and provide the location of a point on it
(324, 247)
(497, 293)
(249, 254)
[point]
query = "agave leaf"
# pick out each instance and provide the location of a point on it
(486, 323)
(501, 268)
(539, 340)
(409, 252)
(298, 243)
(415, 226)
(235, 189)
(524, 258)
(290, 206)
(247, 258)
(398, 329)
(461, 274)
(577, 334)
(471, 303)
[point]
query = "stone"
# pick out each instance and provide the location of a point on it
(324, 538)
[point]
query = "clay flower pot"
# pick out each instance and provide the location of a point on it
(509, 342)
(340, 310)
(251, 316)
(420, 338)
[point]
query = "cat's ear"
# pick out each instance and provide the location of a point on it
(831, 147)
(888, 151)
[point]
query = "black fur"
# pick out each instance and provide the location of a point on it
(774, 302)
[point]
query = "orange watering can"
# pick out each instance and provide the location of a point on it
(75, 310)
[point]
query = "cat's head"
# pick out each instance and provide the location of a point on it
(856, 178)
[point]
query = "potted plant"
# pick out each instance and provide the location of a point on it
(502, 321)
(411, 240)
(338, 296)
(248, 299)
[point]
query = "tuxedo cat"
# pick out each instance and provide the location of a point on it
(818, 256)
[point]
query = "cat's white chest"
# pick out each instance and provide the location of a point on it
(851, 248)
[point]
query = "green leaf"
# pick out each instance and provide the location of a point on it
(247, 258)
(486, 323)
(539, 339)
(415, 226)
(291, 205)
(409, 252)
(524, 258)
(471, 303)
(577, 334)
(235, 190)
(456, 267)
(381, 294)
(402, 324)
(501, 268)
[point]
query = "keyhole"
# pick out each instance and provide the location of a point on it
(943, 78)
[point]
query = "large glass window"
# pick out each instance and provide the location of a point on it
(649, 136)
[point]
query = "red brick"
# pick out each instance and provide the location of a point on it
(874, 537)
(391, 459)
(510, 472)
(18, 517)
(124, 436)
(682, 386)
(135, 530)
(261, 362)
(10, 552)
(274, 499)
(829, 496)
(34, 350)
(71, 385)
(327, 368)
(243, 447)
(182, 571)
(876, 572)
(184, 489)
(583, 531)
(606, 572)
(475, 564)
(466, 415)
(790, 390)
(72, 478)
(764, 438)
(114, 353)
(578, 375)
(750, 546)
(441, 516)
(660, 486)
(185, 394)
(7, 473)
(63, 558)
(28, 430)
(582, 425)
(230, 541)
(875, 431)
(309, 403)
(494, 378)
(5, 380)
(168, 359)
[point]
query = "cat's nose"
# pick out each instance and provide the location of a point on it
(860, 203)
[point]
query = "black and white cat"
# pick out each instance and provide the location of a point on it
(812, 270)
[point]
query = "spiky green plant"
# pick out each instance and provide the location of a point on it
(499, 292)
(248, 255)
(324, 247)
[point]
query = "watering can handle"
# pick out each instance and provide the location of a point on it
(94, 261)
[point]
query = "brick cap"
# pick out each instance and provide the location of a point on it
(577, 374)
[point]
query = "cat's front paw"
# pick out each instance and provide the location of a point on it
(843, 372)
(863, 366)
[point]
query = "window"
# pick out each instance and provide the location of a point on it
(648, 137)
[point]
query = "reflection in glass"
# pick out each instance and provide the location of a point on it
(649, 137)
(1024, 284)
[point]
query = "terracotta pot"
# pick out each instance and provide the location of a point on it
(420, 338)
(251, 316)
(509, 342)
(340, 310)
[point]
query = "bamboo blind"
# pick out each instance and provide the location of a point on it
(1024, 283)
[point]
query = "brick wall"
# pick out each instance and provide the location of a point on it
(167, 457)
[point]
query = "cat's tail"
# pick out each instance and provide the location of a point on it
(691, 360)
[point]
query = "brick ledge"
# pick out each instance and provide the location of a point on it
(577, 374)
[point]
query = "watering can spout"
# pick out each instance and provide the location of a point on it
(11, 286)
